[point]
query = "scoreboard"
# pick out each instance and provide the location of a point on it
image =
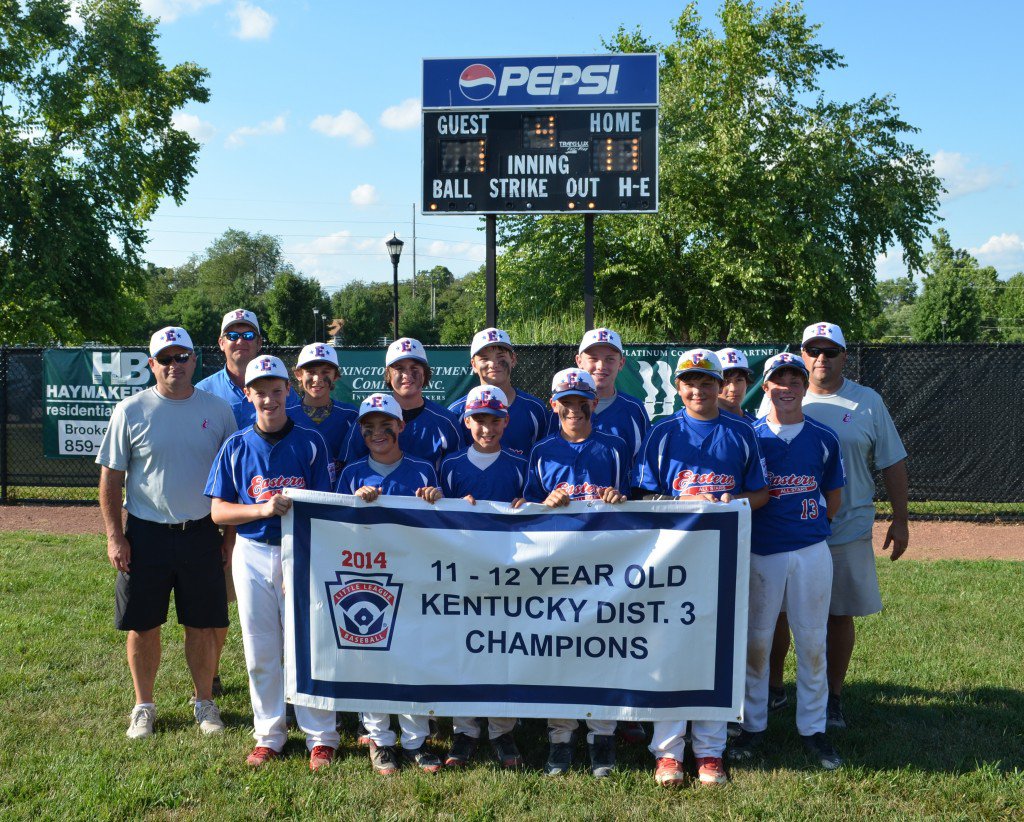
(540, 135)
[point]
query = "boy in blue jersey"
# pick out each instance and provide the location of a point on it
(601, 355)
(492, 359)
(790, 559)
(316, 371)
(703, 454)
(387, 470)
(430, 431)
(252, 469)
(736, 379)
(485, 471)
(578, 463)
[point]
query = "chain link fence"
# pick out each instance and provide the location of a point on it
(957, 407)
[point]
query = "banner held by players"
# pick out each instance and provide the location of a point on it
(634, 611)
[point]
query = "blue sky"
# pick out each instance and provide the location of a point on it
(312, 132)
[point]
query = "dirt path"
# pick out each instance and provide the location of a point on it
(928, 540)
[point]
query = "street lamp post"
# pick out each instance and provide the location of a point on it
(394, 246)
(316, 322)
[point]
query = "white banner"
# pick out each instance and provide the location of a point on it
(632, 611)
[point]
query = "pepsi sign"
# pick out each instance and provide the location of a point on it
(602, 80)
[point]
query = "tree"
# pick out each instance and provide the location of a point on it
(1011, 309)
(896, 298)
(87, 150)
(366, 311)
(290, 305)
(774, 201)
(462, 309)
(949, 308)
(239, 268)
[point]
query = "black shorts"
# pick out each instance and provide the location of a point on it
(164, 560)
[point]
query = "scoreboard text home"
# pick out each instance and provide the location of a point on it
(540, 135)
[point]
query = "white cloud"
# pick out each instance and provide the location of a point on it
(237, 138)
(960, 177)
(346, 124)
(167, 11)
(363, 195)
(890, 265)
(254, 23)
(74, 17)
(460, 251)
(1003, 251)
(404, 116)
(192, 125)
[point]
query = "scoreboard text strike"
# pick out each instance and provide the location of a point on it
(540, 135)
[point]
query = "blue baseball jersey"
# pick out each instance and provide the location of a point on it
(527, 423)
(250, 469)
(583, 469)
(431, 435)
(501, 481)
(799, 475)
(411, 474)
(333, 428)
(627, 419)
(682, 456)
(220, 385)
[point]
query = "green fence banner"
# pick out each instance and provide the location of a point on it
(81, 386)
(362, 374)
(648, 375)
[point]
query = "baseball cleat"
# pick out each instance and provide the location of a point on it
(423, 759)
(384, 759)
(669, 773)
(559, 758)
(260, 756)
(141, 723)
(320, 757)
(602, 755)
(834, 716)
(710, 770)
(821, 750)
(506, 751)
(462, 750)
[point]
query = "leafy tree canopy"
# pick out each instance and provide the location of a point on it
(87, 150)
(774, 201)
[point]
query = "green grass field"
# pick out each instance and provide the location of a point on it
(934, 698)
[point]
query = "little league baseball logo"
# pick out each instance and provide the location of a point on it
(266, 364)
(363, 610)
(320, 351)
(170, 335)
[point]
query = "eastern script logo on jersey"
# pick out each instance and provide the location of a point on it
(689, 484)
(363, 610)
(781, 485)
(263, 488)
(581, 491)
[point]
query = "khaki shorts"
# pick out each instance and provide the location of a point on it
(855, 589)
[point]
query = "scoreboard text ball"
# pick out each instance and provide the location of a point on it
(540, 161)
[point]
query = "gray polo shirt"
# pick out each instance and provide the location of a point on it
(870, 443)
(166, 447)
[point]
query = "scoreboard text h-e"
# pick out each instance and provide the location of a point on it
(540, 135)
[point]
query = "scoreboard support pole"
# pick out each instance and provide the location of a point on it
(492, 270)
(588, 271)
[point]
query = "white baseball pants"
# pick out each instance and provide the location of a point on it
(801, 582)
(560, 730)
(496, 726)
(259, 585)
(415, 729)
(707, 736)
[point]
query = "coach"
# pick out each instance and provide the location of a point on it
(240, 341)
(160, 445)
(869, 441)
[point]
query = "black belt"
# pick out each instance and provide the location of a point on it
(187, 525)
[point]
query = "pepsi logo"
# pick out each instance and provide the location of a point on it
(477, 82)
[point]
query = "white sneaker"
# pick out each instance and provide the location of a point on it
(208, 716)
(141, 723)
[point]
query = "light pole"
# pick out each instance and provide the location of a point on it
(394, 246)
(316, 322)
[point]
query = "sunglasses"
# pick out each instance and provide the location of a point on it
(167, 359)
(235, 336)
(830, 353)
